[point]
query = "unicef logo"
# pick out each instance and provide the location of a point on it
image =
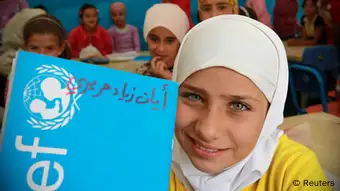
(48, 99)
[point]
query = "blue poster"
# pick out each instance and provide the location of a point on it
(72, 126)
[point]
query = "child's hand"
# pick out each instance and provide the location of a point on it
(160, 69)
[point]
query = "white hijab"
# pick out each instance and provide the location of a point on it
(255, 51)
(169, 16)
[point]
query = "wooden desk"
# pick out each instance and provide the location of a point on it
(128, 66)
(294, 53)
(320, 132)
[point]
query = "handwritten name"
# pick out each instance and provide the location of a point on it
(84, 86)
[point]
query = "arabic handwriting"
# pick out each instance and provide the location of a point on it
(164, 87)
(124, 94)
(80, 83)
(89, 86)
(105, 87)
(74, 89)
(142, 97)
(165, 95)
(132, 96)
(116, 92)
(152, 101)
(69, 88)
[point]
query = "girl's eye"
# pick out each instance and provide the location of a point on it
(192, 97)
(206, 9)
(238, 106)
(153, 38)
(33, 48)
(170, 40)
(222, 7)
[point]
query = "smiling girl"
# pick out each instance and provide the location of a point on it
(229, 110)
(89, 33)
(164, 28)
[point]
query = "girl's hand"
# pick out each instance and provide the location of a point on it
(159, 69)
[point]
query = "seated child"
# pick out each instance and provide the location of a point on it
(46, 35)
(89, 35)
(125, 37)
(314, 27)
(164, 29)
(248, 12)
(285, 22)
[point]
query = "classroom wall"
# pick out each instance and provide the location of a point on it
(67, 11)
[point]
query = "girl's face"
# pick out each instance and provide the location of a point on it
(211, 8)
(90, 18)
(47, 44)
(310, 8)
(219, 121)
(118, 17)
(164, 44)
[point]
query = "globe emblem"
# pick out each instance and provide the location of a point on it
(49, 99)
(46, 97)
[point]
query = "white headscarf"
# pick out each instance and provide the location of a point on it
(255, 51)
(169, 16)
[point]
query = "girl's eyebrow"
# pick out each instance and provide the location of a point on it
(222, 3)
(226, 97)
(239, 97)
(170, 37)
(194, 88)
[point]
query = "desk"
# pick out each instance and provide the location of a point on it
(320, 132)
(294, 53)
(128, 66)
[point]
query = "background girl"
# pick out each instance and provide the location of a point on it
(164, 28)
(46, 35)
(211, 8)
(227, 135)
(314, 27)
(90, 33)
(125, 37)
(285, 22)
